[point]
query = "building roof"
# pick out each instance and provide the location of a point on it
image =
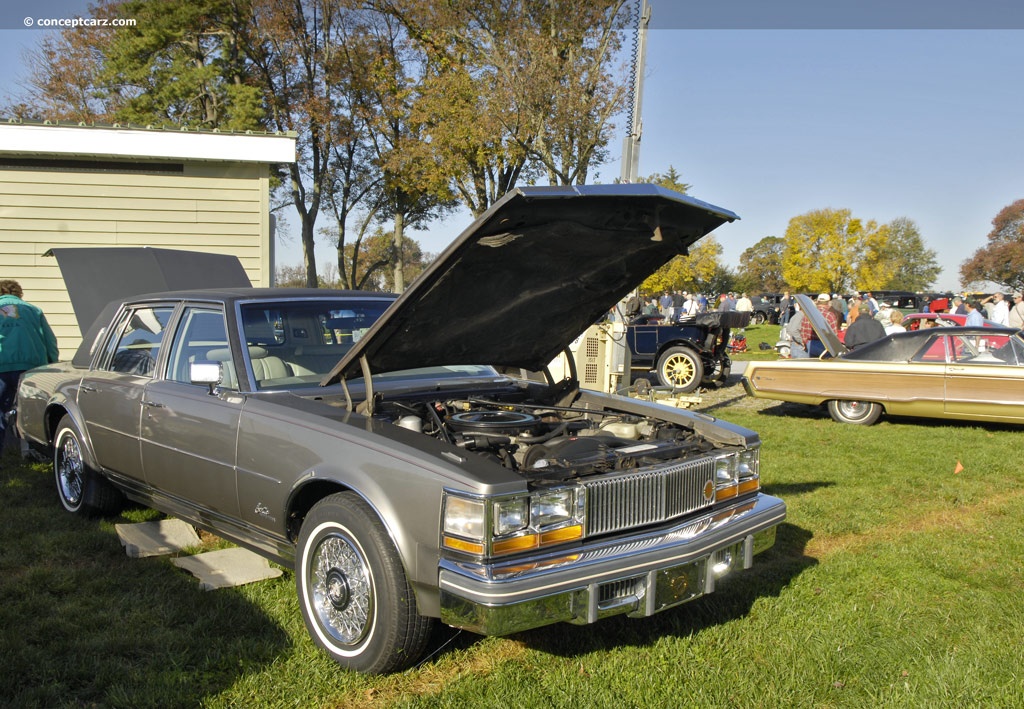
(81, 140)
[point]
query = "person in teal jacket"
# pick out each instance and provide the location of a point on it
(26, 341)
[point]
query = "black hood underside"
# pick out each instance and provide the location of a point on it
(531, 274)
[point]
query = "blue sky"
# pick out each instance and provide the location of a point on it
(772, 123)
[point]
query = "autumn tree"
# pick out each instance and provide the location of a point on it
(63, 81)
(375, 252)
(701, 270)
(413, 189)
(1001, 260)
(895, 258)
(516, 89)
(761, 267)
(179, 65)
(822, 250)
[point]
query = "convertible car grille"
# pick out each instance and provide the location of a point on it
(648, 496)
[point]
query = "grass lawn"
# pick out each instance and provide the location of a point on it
(895, 581)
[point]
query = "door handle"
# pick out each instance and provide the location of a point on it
(154, 404)
(88, 388)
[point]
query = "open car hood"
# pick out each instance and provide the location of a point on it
(95, 276)
(529, 275)
(826, 334)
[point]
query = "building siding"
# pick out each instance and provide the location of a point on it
(213, 207)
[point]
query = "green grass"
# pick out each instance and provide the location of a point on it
(756, 334)
(894, 582)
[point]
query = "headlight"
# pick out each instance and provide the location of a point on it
(464, 516)
(552, 508)
(506, 525)
(511, 515)
(737, 474)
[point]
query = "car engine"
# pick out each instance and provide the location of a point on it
(548, 443)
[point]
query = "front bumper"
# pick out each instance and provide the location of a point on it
(639, 575)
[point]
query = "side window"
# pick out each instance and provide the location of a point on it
(202, 337)
(138, 346)
(934, 351)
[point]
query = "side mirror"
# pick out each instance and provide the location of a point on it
(208, 373)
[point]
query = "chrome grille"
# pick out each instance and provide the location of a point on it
(647, 496)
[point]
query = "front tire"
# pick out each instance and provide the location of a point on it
(861, 413)
(680, 368)
(81, 489)
(353, 591)
(759, 318)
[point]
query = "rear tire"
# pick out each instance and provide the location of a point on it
(680, 368)
(860, 413)
(353, 591)
(81, 489)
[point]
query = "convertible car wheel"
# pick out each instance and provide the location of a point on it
(680, 368)
(353, 591)
(863, 413)
(79, 487)
(759, 318)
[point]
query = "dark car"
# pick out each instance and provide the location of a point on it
(767, 308)
(686, 353)
(402, 456)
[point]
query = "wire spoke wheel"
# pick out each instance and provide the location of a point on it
(353, 592)
(342, 589)
(70, 471)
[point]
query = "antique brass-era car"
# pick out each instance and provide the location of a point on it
(404, 456)
(971, 373)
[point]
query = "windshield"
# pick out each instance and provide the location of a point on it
(294, 344)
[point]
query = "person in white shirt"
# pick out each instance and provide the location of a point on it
(1000, 309)
(895, 322)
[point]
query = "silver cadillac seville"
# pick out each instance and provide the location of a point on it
(412, 459)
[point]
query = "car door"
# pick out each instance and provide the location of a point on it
(985, 377)
(110, 397)
(188, 431)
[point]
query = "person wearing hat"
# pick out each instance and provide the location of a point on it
(810, 339)
(1017, 311)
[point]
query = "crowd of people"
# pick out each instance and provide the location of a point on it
(863, 319)
(679, 304)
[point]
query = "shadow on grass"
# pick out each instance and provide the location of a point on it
(83, 624)
(733, 598)
(785, 490)
(787, 409)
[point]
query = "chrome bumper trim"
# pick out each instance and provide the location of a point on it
(638, 575)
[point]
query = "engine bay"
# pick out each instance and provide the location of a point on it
(547, 443)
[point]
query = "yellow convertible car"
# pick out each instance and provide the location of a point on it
(971, 373)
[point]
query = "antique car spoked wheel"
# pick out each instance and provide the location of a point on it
(680, 368)
(353, 591)
(79, 487)
(863, 413)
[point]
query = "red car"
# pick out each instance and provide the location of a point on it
(915, 321)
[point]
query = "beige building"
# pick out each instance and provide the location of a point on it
(68, 185)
